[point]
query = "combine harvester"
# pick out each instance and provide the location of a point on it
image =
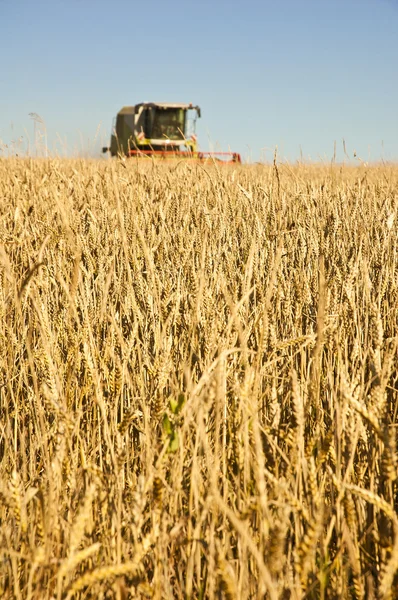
(163, 130)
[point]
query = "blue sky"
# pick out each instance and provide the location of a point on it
(299, 75)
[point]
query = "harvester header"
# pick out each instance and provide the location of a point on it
(161, 130)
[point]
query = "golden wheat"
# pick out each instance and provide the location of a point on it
(198, 380)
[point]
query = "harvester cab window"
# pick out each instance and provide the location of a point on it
(169, 124)
(148, 118)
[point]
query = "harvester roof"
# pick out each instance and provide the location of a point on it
(128, 110)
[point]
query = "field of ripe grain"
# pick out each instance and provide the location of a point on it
(198, 381)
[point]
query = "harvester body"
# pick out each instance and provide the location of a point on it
(166, 130)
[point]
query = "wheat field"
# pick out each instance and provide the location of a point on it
(198, 381)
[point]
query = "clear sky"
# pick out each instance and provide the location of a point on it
(297, 74)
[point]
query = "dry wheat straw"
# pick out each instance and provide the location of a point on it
(255, 307)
